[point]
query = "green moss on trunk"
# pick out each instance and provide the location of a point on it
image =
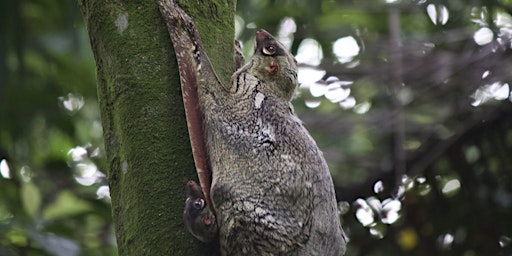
(145, 131)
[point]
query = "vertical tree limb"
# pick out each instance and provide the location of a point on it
(146, 139)
(399, 156)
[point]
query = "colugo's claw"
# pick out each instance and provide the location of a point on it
(198, 218)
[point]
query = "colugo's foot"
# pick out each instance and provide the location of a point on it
(198, 218)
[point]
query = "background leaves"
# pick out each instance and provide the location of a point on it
(409, 100)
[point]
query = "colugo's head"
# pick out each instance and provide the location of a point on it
(199, 220)
(272, 62)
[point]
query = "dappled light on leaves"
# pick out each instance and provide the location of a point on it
(77, 153)
(307, 76)
(87, 174)
(496, 91)
(310, 81)
(364, 213)
(5, 171)
(390, 210)
(335, 93)
(348, 103)
(422, 186)
(445, 241)
(500, 28)
(85, 170)
(377, 231)
(346, 49)
(483, 36)
(239, 25)
(318, 88)
(309, 52)
(26, 173)
(438, 14)
(103, 192)
(486, 74)
(405, 95)
(472, 154)
(312, 103)
(378, 187)
(362, 108)
(377, 214)
(72, 103)
(505, 241)
(451, 187)
(286, 30)
(332, 89)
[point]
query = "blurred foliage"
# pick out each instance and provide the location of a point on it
(409, 100)
(50, 134)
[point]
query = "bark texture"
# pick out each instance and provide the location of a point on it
(145, 131)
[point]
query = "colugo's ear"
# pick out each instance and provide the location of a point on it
(198, 218)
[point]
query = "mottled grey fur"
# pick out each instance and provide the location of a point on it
(271, 189)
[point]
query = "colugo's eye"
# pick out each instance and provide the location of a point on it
(199, 203)
(269, 49)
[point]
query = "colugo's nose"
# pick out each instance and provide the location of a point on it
(262, 35)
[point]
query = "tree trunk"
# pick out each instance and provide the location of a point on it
(146, 139)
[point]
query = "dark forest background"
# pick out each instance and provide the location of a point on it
(409, 100)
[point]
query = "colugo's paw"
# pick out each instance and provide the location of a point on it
(198, 218)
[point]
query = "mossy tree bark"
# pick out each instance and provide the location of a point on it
(146, 139)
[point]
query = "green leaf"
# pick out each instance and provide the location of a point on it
(30, 198)
(67, 204)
